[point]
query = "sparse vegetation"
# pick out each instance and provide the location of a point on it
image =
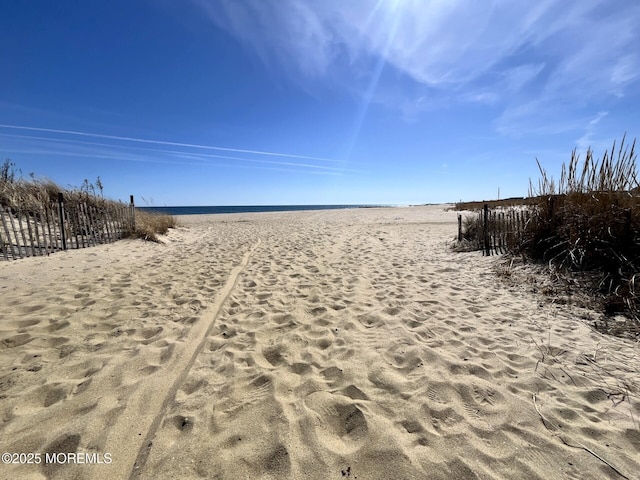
(150, 225)
(8, 171)
(26, 196)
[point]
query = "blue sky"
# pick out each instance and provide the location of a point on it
(242, 102)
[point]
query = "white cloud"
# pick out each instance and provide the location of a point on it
(597, 54)
(287, 31)
(535, 117)
(625, 71)
(515, 78)
(587, 139)
(514, 53)
(433, 42)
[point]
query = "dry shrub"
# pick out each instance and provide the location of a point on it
(590, 222)
(22, 195)
(472, 234)
(586, 225)
(28, 196)
(149, 225)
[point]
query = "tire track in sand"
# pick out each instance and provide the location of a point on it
(145, 409)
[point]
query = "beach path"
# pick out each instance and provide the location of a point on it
(327, 344)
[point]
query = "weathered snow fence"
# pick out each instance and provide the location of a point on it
(31, 231)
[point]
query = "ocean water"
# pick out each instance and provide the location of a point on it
(250, 208)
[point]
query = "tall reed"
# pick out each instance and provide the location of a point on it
(589, 221)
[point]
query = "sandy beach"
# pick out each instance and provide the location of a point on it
(305, 345)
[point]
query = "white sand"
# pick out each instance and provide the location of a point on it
(330, 344)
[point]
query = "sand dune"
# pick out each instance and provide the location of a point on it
(332, 344)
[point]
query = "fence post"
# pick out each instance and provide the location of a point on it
(487, 247)
(61, 213)
(44, 220)
(132, 213)
(6, 230)
(33, 246)
(37, 220)
(459, 227)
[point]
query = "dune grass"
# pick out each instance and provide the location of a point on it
(25, 196)
(29, 195)
(149, 225)
(22, 195)
(589, 221)
(586, 223)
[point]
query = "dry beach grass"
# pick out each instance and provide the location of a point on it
(328, 344)
(32, 196)
(585, 227)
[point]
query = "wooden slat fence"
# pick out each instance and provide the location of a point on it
(498, 231)
(28, 232)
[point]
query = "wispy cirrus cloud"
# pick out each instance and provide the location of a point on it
(161, 142)
(587, 139)
(433, 42)
(121, 148)
(517, 55)
(288, 32)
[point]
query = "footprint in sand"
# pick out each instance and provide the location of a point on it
(16, 340)
(342, 426)
(273, 355)
(65, 444)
